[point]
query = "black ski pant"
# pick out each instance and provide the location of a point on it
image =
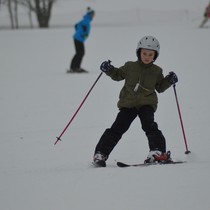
(80, 52)
(125, 117)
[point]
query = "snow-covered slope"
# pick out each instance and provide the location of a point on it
(38, 99)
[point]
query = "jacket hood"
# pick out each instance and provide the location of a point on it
(87, 17)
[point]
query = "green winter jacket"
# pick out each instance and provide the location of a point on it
(141, 83)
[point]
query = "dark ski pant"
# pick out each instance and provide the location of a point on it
(80, 52)
(125, 117)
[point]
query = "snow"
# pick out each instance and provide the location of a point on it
(38, 99)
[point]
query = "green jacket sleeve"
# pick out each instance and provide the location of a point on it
(162, 84)
(116, 74)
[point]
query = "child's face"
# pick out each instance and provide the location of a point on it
(147, 56)
(92, 16)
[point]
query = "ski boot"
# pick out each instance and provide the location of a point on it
(99, 160)
(76, 70)
(158, 157)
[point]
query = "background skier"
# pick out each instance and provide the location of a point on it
(206, 16)
(82, 32)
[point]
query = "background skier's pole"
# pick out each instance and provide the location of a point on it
(59, 138)
(180, 117)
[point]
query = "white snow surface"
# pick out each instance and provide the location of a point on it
(38, 99)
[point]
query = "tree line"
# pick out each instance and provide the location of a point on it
(41, 8)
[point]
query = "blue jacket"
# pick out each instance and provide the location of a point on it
(83, 28)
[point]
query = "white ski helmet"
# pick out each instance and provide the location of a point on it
(150, 43)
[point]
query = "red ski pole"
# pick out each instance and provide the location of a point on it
(180, 117)
(59, 138)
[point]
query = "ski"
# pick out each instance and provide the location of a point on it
(123, 165)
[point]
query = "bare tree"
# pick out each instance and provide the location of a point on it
(11, 13)
(29, 5)
(28, 2)
(12, 6)
(43, 10)
(16, 13)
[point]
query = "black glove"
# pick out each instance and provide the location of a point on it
(106, 66)
(172, 78)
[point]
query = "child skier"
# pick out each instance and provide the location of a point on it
(137, 98)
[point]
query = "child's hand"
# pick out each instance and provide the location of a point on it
(172, 78)
(106, 66)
